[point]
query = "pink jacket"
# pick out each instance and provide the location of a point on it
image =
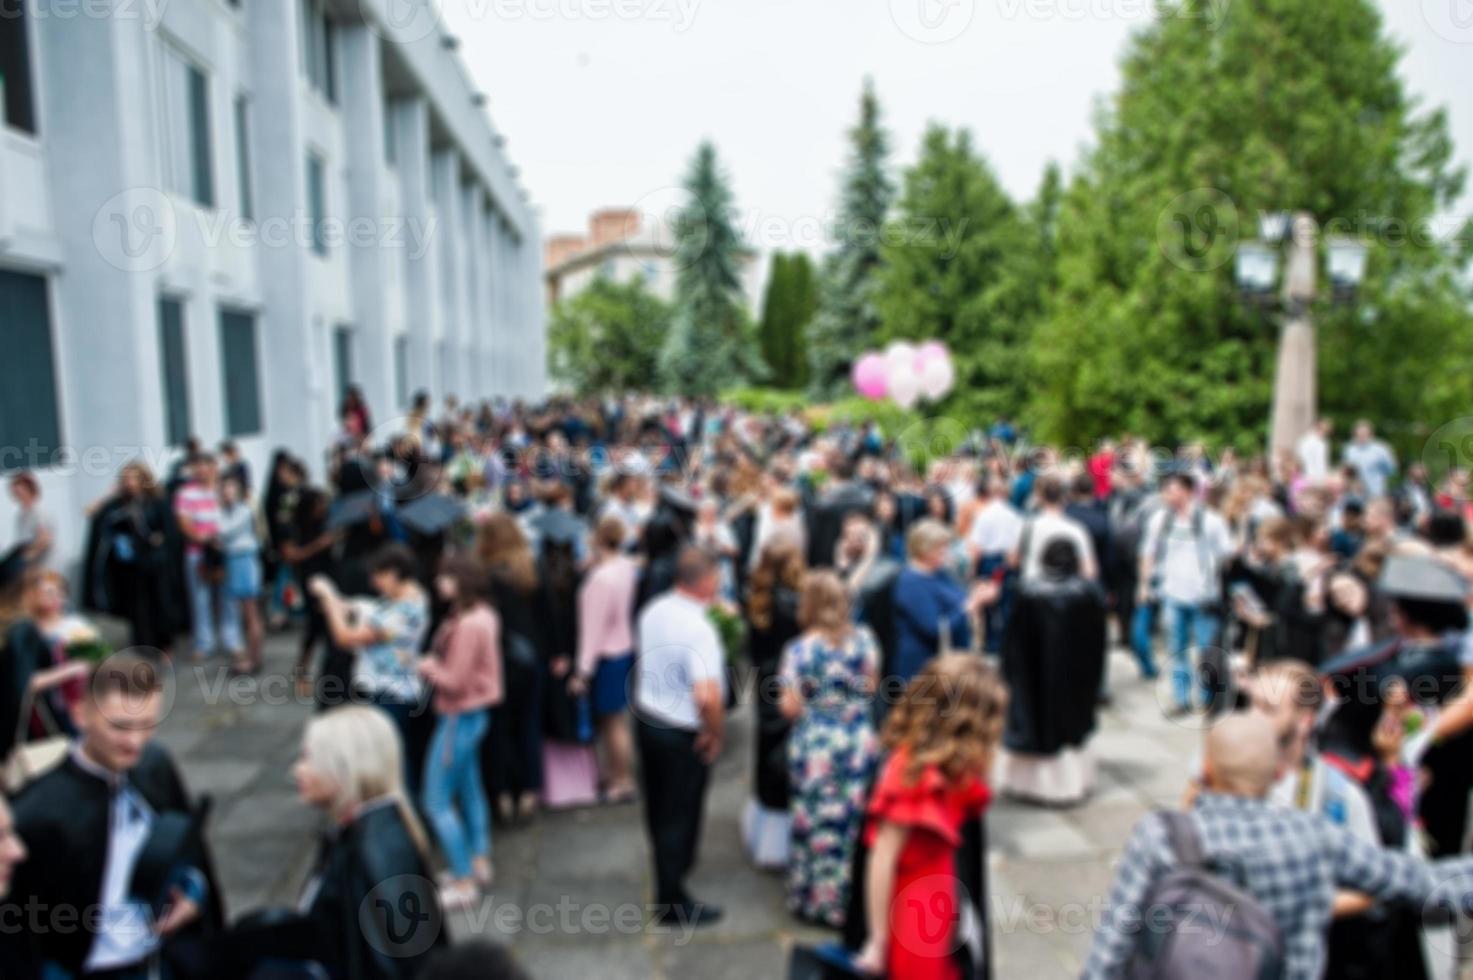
(606, 613)
(465, 665)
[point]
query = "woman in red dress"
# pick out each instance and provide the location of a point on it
(941, 738)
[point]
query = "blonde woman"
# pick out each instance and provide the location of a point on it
(828, 677)
(370, 897)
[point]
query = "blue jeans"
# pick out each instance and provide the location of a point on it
(1187, 624)
(452, 782)
(1142, 633)
(201, 603)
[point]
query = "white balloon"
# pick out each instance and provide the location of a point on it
(904, 384)
(901, 355)
(937, 377)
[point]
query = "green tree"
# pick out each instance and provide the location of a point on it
(962, 264)
(712, 344)
(608, 337)
(788, 304)
(1280, 106)
(848, 321)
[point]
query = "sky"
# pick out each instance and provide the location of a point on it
(603, 102)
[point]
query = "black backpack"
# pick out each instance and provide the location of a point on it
(1198, 925)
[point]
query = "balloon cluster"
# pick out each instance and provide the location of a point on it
(905, 373)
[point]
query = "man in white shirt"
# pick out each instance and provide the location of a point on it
(1049, 524)
(1373, 460)
(1181, 556)
(1314, 451)
(680, 712)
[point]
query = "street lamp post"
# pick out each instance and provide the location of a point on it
(1295, 398)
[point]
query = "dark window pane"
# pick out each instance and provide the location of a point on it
(401, 370)
(15, 66)
(329, 65)
(316, 204)
(199, 135)
(243, 157)
(175, 367)
(30, 421)
(239, 363)
(342, 355)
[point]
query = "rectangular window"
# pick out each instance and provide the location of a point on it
(187, 138)
(30, 419)
(342, 357)
(319, 36)
(238, 361)
(174, 366)
(401, 371)
(390, 153)
(243, 157)
(15, 66)
(317, 203)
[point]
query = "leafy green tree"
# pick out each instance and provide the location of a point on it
(1279, 106)
(788, 304)
(608, 337)
(848, 320)
(963, 264)
(712, 344)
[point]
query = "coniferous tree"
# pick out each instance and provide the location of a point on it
(848, 321)
(712, 344)
(788, 305)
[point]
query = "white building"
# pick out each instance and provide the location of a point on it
(624, 245)
(215, 214)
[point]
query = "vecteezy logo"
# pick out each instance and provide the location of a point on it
(1198, 230)
(395, 919)
(403, 21)
(933, 21)
(931, 910)
(1451, 20)
(136, 229)
(1450, 447)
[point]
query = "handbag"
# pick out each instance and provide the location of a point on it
(212, 563)
(827, 962)
(30, 761)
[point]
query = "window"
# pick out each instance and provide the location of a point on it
(15, 66)
(342, 357)
(390, 154)
(243, 157)
(316, 203)
(174, 366)
(30, 421)
(238, 362)
(318, 39)
(187, 157)
(401, 370)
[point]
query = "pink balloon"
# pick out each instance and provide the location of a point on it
(869, 375)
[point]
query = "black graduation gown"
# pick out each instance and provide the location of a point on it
(375, 914)
(770, 782)
(63, 818)
(144, 590)
(826, 519)
(1053, 657)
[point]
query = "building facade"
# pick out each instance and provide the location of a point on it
(217, 214)
(624, 245)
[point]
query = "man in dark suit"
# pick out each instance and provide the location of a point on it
(119, 867)
(844, 496)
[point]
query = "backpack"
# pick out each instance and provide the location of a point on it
(1198, 925)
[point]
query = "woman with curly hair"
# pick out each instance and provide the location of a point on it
(772, 620)
(941, 738)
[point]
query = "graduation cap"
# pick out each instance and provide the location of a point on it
(678, 500)
(174, 842)
(559, 527)
(12, 567)
(1424, 579)
(432, 514)
(352, 509)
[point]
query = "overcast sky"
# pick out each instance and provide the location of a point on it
(603, 101)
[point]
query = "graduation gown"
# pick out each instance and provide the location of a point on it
(1052, 659)
(22, 653)
(770, 783)
(63, 817)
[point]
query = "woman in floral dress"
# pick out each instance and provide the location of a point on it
(828, 677)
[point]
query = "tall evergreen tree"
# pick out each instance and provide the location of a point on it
(962, 265)
(788, 305)
(847, 320)
(712, 344)
(1283, 106)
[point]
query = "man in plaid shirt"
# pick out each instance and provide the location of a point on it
(1292, 862)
